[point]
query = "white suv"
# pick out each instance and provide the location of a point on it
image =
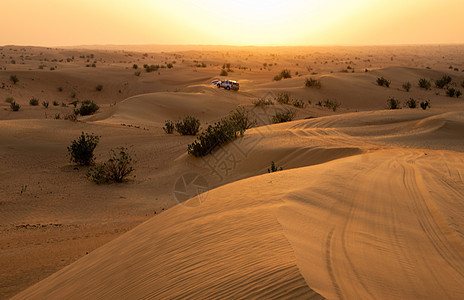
(228, 84)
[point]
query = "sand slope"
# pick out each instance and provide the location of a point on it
(383, 222)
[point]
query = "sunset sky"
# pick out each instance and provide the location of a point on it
(240, 22)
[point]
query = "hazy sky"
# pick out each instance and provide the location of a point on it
(240, 22)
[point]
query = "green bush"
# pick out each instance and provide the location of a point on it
(425, 84)
(116, 169)
(135, 66)
(285, 74)
(298, 103)
(277, 78)
(407, 86)
(283, 98)
(45, 104)
(274, 168)
(444, 81)
(425, 104)
(151, 68)
(221, 132)
(284, 116)
(188, 126)
(383, 82)
(14, 106)
(313, 83)
(99, 88)
(168, 127)
(392, 103)
(14, 79)
(263, 102)
(450, 92)
(88, 108)
(81, 150)
(331, 104)
(34, 102)
(411, 103)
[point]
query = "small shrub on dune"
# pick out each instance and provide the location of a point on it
(9, 100)
(425, 84)
(298, 103)
(135, 66)
(14, 79)
(407, 86)
(443, 82)
(223, 73)
(188, 126)
(392, 103)
(34, 102)
(56, 103)
(99, 88)
(14, 106)
(411, 103)
(116, 169)
(277, 78)
(450, 92)
(383, 82)
(273, 168)
(45, 104)
(168, 127)
(313, 83)
(137, 73)
(425, 104)
(331, 104)
(284, 74)
(284, 116)
(283, 98)
(221, 132)
(88, 108)
(263, 102)
(60, 89)
(81, 149)
(458, 93)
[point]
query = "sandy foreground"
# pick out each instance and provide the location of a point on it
(370, 203)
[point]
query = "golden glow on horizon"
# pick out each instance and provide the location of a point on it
(239, 22)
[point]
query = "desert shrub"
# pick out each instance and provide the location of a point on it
(188, 126)
(442, 82)
(392, 103)
(118, 167)
(88, 108)
(223, 73)
(283, 98)
(151, 68)
(14, 106)
(407, 86)
(57, 116)
(170, 66)
(45, 104)
(73, 94)
(34, 102)
(221, 132)
(277, 78)
(383, 82)
(331, 104)
(137, 73)
(458, 93)
(56, 103)
(168, 127)
(411, 103)
(99, 88)
(74, 103)
(60, 89)
(135, 66)
(425, 104)
(313, 83)
(298, 103)
(263, 102)
(81, 150)
(72, 116)
(284, 116)
(64, 104)
(451, 92)
(14, 79)
(9, 100)
(285, 74)
(424, 83)
(273, 168)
